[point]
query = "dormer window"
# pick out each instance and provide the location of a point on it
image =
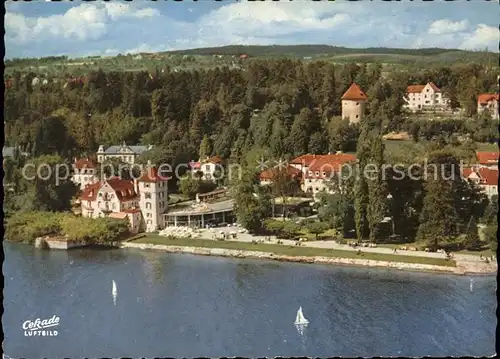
(317, 173)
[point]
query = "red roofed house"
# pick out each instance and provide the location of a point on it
(210, 166)
(84, 172)
(266, 177)
(485, 178)
(488, 102)
(353, 103)
(142, 201)
(487, 159)
(419, 97)
(319, 173)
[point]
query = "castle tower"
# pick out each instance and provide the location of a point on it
(153, 198)
(100, 154)
(354, 103)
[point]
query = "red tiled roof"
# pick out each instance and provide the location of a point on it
(354, 93)
(304, 160)
(89, 193)
(124, 189)
(131, 210)
(484, 98)
(329, 163)
(415, 88)
(214, 159)
(152, 175)
(434, 87)
(195, 165)
(84, 163)
(487, 176)
(487, 158)
(270, 173)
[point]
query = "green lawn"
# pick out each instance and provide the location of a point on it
(288, 250)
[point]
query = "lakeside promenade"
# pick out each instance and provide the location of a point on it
(465, 263)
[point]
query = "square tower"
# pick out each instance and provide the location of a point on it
(153, 198)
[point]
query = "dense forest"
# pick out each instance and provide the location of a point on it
(273, 108)
(288, 106)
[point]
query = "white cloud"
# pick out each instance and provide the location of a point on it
(484, 36)
(270, 19)
(119, 10)
(82, 22)
(446, 26)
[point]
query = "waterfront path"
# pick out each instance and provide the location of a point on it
(465, 262)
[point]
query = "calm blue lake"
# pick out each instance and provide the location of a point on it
(188, 306)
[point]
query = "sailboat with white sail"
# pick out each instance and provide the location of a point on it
(300, 319)
(114, 292)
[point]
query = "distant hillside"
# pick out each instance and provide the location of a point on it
(313, 50)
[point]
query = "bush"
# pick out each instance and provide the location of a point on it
(26, 227)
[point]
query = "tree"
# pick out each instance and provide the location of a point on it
(438, 218)
(491, 236)
(376, 209)
(491, 213)
(189, 186)
(205, 148)
(472, 241)
(290, 229)
(317, 228)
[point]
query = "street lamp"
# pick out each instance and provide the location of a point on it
(389, 197)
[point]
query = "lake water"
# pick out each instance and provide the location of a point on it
(187, 306)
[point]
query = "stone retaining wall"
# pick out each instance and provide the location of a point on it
(306, 259)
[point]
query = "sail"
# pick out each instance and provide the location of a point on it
(114, 292)
(300, 319)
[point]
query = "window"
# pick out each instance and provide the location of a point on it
(357, 103)
(207, 167)
(149, 221)
(148, 205)
(146, 185)
(357, 116)
(317, 173)
(148, 215)
(113, 207)
(147, 195)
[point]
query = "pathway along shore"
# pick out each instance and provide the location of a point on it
(462, 267)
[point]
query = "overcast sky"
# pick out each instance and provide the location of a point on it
(42, 28)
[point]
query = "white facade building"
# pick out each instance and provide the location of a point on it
(485, 178)
(142, 201)
(84, 173)
(488, 102)
(210, 166)
(125, 153)
(425, 97)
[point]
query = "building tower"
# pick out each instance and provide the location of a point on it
(354, 103)
(153, 198)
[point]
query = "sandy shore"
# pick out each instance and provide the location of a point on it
(461, 268)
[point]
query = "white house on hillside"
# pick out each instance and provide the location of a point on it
(127, 154)
(425, 97)
(488, 102)
(84, 173)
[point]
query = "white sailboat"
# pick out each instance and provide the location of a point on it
(300, 319)
(114, 293)
(471, 285)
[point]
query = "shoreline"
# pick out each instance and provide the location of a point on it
(233, 253)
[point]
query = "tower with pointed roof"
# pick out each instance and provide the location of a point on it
(153, 198)
(354, 103)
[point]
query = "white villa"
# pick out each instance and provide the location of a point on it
(141, 201)
(209, 167)
(84, 173)
(127, 154)
(488, 102)
(486, 178)
(422, 97)
(314, 171)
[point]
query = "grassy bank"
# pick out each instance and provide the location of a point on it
(293, 251)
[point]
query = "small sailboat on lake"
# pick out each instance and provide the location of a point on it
(300, 319)
(471, 285)
(114, 292)
(301, 322)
